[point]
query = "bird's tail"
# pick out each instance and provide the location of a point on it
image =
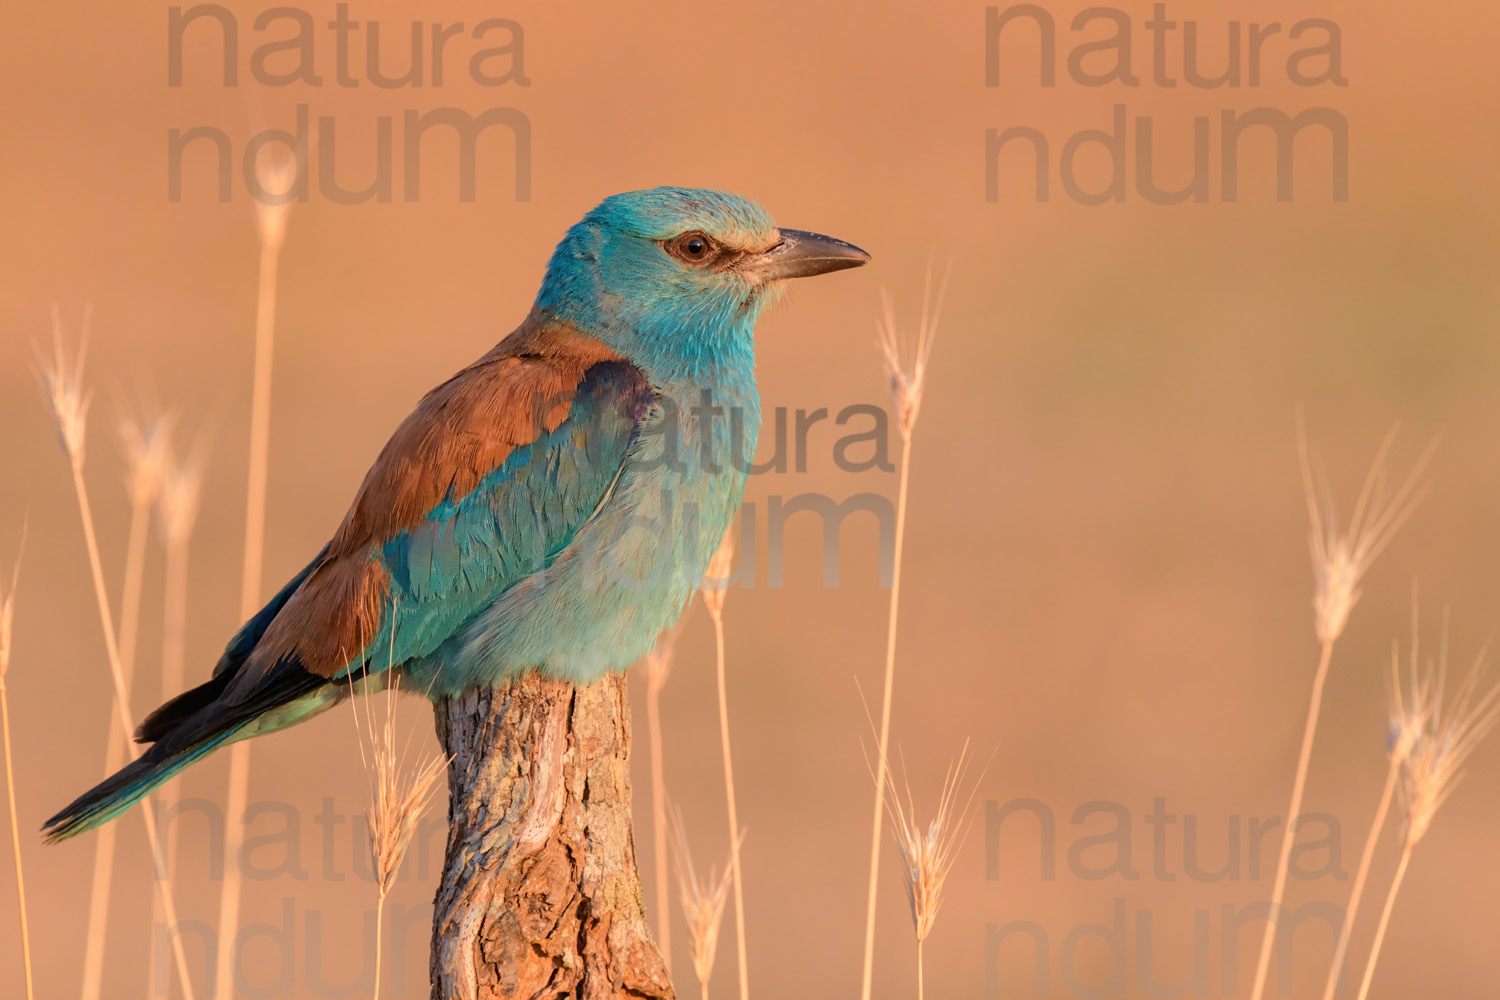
(127, 786)
(189, 728)
(231, 705)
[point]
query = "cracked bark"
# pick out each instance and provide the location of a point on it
(540, 896)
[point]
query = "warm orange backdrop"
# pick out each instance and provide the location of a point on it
(1107, 571)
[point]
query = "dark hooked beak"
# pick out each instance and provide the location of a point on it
(801, 255)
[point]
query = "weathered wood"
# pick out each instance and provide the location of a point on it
(540, 895)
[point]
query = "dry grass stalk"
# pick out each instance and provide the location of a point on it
(702, 901)
(7, 620)
(148, 457)
(177, 515)
(907, 367)
(1340, 557)
(1403, 727)
(178, 503)
(715, 586)
(146, 449)
(271, 222)
(658, 667)
(927, 854)
(1441, 737)
(69, 402)
(62, 383)
(714, 589)
(907, 371)
(399, 795)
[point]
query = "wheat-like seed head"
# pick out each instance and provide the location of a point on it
(1341, 557)
(148, 453)
(62, 380)
(7, 616)
(1408, 714)
(658, 662)
(398, 795)
(275, 178)
(715, 583)
(401, 797)
(702, 900)
(927, 854)
(178, 500)
(907, 369)
(1438, 737)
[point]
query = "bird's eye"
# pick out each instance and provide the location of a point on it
(692, 248)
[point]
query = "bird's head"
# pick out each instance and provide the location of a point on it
(674, 278)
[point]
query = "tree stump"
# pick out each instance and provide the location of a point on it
(540, 895)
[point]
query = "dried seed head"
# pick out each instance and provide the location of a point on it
(400, 800)
(658, 662)
(715, 583)
(908, 374)
(148, 453)
(1408, 715)
(276, 181)
(177, 502)
(7, 615)
(1341, 557)
(62, 381)
(702, 900)
(928, 854)
(398, 795)
(1440, 737)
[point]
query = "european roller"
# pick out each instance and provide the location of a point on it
(552, 506)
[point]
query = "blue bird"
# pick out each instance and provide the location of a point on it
(551, 507)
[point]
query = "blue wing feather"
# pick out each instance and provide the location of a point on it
(469, 550)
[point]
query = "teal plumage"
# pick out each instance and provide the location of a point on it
(550, 507)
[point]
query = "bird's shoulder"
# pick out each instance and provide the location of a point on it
(467, 427)
(477, 439)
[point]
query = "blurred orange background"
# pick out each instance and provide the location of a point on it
(1106, 573)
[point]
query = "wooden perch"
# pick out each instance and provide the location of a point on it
(540, 896)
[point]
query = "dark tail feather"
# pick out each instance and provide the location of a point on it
(160, 723)
(197, 722)
(128, 786)
(189, 728)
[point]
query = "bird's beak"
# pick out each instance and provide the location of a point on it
(800, 255)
